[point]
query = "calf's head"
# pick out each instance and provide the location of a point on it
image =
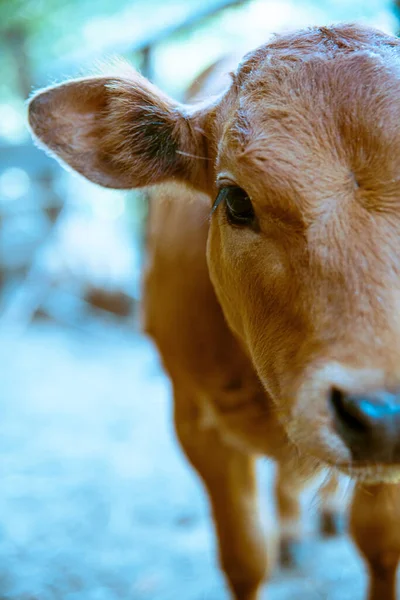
(301, 160)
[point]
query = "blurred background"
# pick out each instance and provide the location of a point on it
(96, 501)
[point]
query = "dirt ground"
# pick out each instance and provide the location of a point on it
(96, 500)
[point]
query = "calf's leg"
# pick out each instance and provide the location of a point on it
(331, 511)
(375, 528)
(288, 487)
(229, 478)
(293, 475)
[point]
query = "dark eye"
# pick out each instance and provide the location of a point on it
(239, 209)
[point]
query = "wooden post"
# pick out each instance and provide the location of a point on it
(17, 43)
(396, 9)
(146, 67)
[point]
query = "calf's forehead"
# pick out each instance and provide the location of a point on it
(360, 90)
(338, 117)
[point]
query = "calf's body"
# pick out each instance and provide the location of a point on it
(272, 287)
(224, 419)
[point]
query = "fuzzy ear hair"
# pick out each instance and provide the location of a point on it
(119, 132)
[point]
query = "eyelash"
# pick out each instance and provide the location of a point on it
(219, 199)
(238, 206)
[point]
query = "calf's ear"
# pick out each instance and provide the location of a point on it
(120, 132)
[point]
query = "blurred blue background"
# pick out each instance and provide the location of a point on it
(96, 501)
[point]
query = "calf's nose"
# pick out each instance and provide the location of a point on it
(369, 424)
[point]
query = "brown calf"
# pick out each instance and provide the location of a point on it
(278, 315)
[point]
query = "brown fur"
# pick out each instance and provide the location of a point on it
(255, 325)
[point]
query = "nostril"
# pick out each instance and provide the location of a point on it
(348, 411)
(368, 423)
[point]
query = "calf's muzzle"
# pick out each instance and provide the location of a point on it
(369, 424)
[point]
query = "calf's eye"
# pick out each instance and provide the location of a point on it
(239, 209)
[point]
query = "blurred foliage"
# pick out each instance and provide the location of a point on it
(36, 35)
(35, 30)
